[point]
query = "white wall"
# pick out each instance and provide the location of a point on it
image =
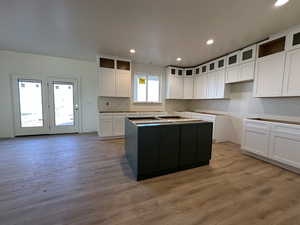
(12, 63)
(242, 105)
(119, 104)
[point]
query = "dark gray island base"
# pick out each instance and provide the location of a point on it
(160, 145)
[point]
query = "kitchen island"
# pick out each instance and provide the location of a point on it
(160, 145)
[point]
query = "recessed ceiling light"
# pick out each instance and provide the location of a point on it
(178, 59)
(210, 42)
(279, 3)
(132, 51)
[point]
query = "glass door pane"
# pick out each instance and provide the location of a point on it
(64, 104)
(31, 107)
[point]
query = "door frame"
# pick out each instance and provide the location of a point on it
(17, 131)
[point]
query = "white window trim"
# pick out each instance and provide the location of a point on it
(135, 88)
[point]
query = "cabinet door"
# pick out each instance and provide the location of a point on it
(188, 88)
(212, 85)
(248, 54)
(233, 59)
(178, 90)
(204, 142)
(247, 71)
(107, 82)
(269, 75)
(204, 87)
(220, 84)
(106, 127)
(169, 148)
(256, 136)
(118, 125)
(170, 86)
(188, 145)
(149, 142)
(292, 74)
(196, 87)
(233, 74)
(285, 142)
(123, 83)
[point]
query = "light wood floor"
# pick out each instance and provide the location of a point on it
(80, 180)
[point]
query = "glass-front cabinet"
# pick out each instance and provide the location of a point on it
(233, 59)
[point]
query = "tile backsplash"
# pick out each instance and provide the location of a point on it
(125, 104)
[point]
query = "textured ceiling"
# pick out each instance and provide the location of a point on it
(160, 31)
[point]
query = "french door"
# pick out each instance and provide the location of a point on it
(45, 106)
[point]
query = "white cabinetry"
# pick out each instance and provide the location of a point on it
(123, 83)
(112, 125)
(174, 83)
(240, 65)
(232, 74)
(292, 73)
(188, 89)
(270, 66)
(256, 136)
(276, 141)
(247, 71)
(114, 77)
(105, 128)
(285, 142)
(107, 82)
(118, 124)
(269, 75)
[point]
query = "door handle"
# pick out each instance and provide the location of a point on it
(76, 107)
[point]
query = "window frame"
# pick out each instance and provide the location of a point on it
(135, 84)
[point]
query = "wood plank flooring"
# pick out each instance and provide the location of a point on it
(80, 180)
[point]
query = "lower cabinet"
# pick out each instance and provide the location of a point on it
(276, 141)
(118, 125)
(112, 125)
(256, 137)
(284, 144)
(105, 128)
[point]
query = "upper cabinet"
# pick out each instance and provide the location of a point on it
(114, 77)
(197, 71)
(174, 83)
(233, 59)
(270, 66)
(204, 69)
(293, 40)
(248, 54)
(291, 86)
(180, 72)
(244, 69)
(189, 72)
(212, 66)
(271, 47)
(220, 63)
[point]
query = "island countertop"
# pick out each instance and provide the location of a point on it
(163, 120)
